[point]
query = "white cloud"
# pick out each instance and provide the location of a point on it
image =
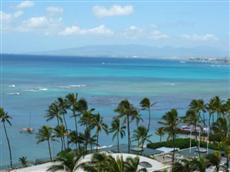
(157, 35)
(70, 30)
(18, 14)
(8, 19)
(53, 11)
(115, 10)
(36, 22)
(135, 32)
(197, 37)
(76, 30)
(134, 29)
(5, 17)
(25, 4)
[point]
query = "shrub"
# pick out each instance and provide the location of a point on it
(180, 143)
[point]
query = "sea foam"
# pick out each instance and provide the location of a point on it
(36, 89)
(12, 86)
(14, 93)
(73, 86)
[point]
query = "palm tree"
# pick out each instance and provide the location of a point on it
(132, 165)
(67, 161)
(211, 111)
(226, 147)
(220, 129)
(60, 132)
(199, 107)
(118, 131)
(216, 106)
(141, 135)
(107, 163)
(200, 164)
(87, 139)
(74, 139)
(99, 125)
(160, 132)
(87, 118)
(226, 140)
(23, 160)
(215, 159)
(62, 104)
(220, 133)
(146, 104)
(54, 112)
(75, 106)
(97, 163)
(129, 113)
(45, 133)
(192, 119)
(5, 118)
(183, 166)
(170, 123)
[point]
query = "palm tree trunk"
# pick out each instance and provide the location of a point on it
(86, 146)
(209, 122)
(63, 138)
(66, 127)
(173, 155)
(118, 146)
(75, 121)
(149, 119)
(160, 138)
(91, 148)
(128, 134)
(62, 146)
(197, 140)
(8, 143)
(58, 123)
(196, 132)
(227, 163)
(49, 150)
(142, 146)
(76, 129)
(209, 129)
(97, 140)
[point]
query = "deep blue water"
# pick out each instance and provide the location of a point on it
(30, 83)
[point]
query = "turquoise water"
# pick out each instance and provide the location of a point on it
(30, 83)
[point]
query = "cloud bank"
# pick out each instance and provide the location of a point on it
(115, 10)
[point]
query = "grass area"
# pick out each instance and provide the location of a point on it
(181, 143)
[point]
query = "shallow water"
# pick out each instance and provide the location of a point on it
(30, 83)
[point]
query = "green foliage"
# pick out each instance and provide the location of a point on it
(67, 161)
(181, 143)
(107, 163)
(23, 161)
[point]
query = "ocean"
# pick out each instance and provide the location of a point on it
(30, 83)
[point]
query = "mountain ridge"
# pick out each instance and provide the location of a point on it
(136, 51)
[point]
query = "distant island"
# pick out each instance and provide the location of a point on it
(200, 54)
(212, 60)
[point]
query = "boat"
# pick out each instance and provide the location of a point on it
(29, 129)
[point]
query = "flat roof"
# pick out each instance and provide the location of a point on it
(124, 149)
(193, 152)
(155, 165)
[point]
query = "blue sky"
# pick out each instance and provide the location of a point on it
(33, 26)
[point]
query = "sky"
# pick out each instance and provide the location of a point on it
(38, 26)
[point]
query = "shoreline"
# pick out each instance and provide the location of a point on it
(188, 59)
